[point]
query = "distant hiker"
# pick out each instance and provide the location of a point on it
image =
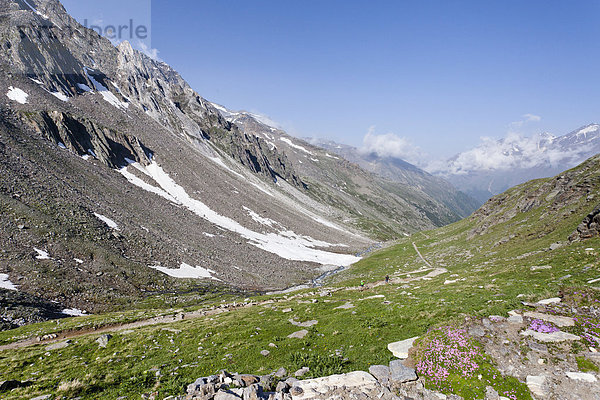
(362, 285)
(387, 279)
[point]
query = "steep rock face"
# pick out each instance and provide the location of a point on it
(55, 51)
(589, 227)
(86, 138)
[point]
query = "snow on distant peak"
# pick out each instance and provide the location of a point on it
(111, 224)
(18, 95)
(589, 129)
(517, 152)
(60, 96)
(5, 283)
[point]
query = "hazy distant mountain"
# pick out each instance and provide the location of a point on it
(372, 198)
(495, 166)
(406, 174)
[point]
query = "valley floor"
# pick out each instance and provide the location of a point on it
(338, 328)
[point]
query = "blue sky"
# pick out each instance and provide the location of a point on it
(439, 74)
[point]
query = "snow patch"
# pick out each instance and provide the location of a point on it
(285, 244)
(259, 219)
(78, 260)
(288, 141)
(18, 95)
(589, 129)
(111, 224)
(106, 94)
(42, 255)
(187, 271)
(73, 312)
(210, 235)
(62, 145)
(59, 96)
(5, 283)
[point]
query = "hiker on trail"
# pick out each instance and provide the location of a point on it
(387, 279)
(362, 285)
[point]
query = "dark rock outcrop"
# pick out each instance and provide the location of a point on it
(589, 227)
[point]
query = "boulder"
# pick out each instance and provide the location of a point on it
(582, 376)
(537, 385)
(246, 380)
(318, 388)
(558, 336)
(381, 373)
(226, 395)
(103, 340)
(399, 373)
(555, 319)
(400, 349)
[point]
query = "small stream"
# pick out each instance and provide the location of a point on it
(332, 270)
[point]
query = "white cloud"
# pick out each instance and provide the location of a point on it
(150, 52)
(525, 120)
(515, 151)
(532, 118)
(390, 145)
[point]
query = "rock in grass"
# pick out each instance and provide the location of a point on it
(103, 340)
(281, 372)
(58, 346)
(265, 352)
(301, 372)
(553, 300)
(491, 394)
(399, 373)
(400, 349)
(299, 334)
